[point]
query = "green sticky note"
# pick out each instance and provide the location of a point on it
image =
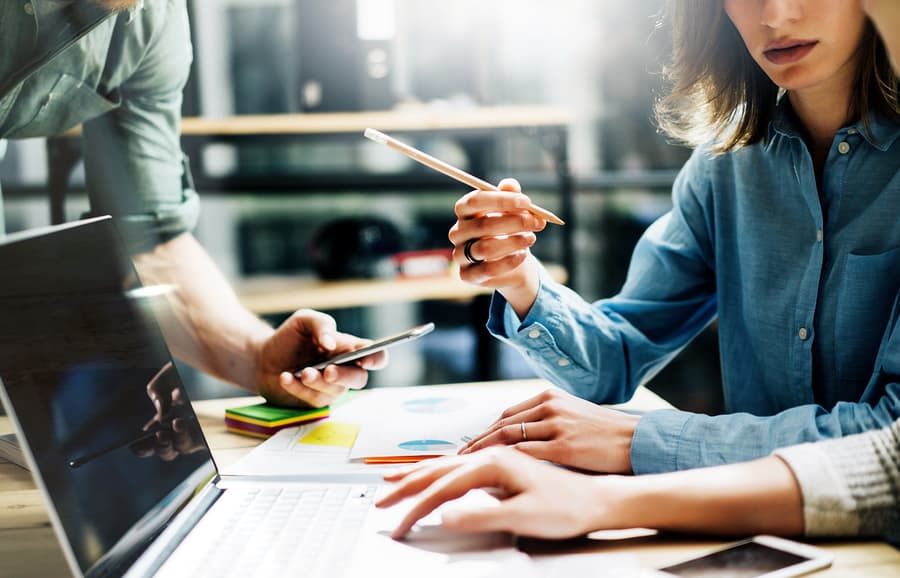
(271, 413)
(330, 433)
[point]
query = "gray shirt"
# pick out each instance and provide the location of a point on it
(120, 75)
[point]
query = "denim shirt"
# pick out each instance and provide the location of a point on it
(805, 290)
(121, 75)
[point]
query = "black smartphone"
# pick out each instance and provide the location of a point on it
(375, 347)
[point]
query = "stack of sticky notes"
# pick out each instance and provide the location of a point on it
(263, 420)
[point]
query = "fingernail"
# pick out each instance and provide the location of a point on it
(328, 341)
(522, 202)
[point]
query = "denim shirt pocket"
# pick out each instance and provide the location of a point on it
(866, 295)
(69, 103)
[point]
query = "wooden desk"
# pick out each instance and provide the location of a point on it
(28, 546)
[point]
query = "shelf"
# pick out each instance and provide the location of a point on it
(273, 294)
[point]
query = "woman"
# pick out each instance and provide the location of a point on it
(784, 228)
(848, 486)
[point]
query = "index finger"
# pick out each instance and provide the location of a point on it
(454, 484)
(478, 203)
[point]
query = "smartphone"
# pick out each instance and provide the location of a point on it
(757, 557)
(375, 347)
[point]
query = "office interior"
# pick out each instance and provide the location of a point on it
(273, 208)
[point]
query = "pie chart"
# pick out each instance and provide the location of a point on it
(427, 446)
(434, 405)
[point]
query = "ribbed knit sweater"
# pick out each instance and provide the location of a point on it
(851, 485)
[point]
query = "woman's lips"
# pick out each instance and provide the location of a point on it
(788, 52)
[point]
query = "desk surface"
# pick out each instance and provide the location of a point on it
(28, 546)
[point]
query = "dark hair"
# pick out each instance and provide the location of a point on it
(721, 96)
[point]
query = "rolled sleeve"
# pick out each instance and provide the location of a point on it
(134, 165)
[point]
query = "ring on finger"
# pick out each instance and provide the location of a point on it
(524, 433)
(467, 252)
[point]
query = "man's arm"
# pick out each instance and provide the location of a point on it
(206, 326)
(135, 172)
(203, 321)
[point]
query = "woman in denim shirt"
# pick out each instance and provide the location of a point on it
(784, 229)
(841, 487)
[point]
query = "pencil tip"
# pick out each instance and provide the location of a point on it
(379, 137)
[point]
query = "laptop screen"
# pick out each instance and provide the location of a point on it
(92, 387)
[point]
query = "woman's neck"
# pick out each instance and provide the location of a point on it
(822, 110)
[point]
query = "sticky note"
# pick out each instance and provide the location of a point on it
(332, 433)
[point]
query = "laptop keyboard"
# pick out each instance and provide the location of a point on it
(269, 531)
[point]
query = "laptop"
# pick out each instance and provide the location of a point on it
(116, 449)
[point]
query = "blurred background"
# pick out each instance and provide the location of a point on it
(326, 207)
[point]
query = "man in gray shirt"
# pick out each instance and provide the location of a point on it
(118, 67)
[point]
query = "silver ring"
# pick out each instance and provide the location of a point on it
(524, 433)
(467, 252)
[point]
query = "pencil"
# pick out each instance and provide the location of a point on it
(451, 171)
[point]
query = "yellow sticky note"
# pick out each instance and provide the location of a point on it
(330, 433)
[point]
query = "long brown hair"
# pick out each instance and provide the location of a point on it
(721, 96)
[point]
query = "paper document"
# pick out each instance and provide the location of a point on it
(392, 422)
(405, 423)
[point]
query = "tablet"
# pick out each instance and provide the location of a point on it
(757, 557)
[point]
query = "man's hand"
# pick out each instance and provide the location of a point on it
(173, 431)
(303, 340)
(565, 429)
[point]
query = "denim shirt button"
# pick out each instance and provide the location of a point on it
(803, 334)
(563, 362)
(844, 147)
(28, 8)
(534, 333)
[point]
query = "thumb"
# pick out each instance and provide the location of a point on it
(511, 185)
(320, 326)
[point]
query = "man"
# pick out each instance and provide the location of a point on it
(118, 67)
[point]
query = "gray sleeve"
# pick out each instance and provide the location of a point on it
(850, 486)
(134, 166)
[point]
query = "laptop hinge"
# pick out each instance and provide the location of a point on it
(156, 555)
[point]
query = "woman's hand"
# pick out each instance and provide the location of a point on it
(545, 501)
(565, 429)
(536, 499)
(499, 231)
(305, 339)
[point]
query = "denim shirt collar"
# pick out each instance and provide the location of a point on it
(881, 132)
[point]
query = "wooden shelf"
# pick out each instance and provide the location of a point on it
(419, 119)
(285, 293)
